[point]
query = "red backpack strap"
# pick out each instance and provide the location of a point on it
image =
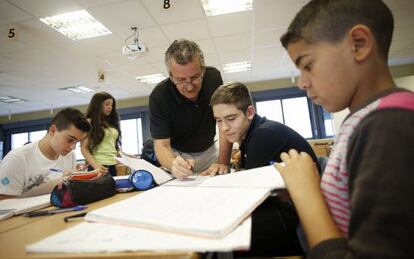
(399, 100)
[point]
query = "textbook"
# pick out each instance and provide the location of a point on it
(196, 211)
(11, 207)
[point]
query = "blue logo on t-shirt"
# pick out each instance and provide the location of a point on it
(5, 181)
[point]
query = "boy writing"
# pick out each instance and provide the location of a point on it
(261, 142)
(362, 207)
(30, 170)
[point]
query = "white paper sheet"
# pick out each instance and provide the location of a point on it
(191, 181)
(262, 177)
(96, 237)
(207, 212)
(160, 176)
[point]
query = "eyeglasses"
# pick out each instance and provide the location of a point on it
(194, 80)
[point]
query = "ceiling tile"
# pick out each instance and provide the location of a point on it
(229, 24)
(192, 30)
(10, 14)
(43, 8)
(234, 42)
(180, 10)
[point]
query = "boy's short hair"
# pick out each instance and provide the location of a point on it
(70, 116)
(183, 52)
(330, 20)
(235, 93)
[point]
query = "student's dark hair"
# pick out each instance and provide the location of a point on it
(183, 52)
(330, 20)
(68, 117)
(99, 121)
(234, 93)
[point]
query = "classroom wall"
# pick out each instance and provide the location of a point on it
(405, 73)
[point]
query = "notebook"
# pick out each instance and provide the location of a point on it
(11, 207)
(203, 212)
(212, 209)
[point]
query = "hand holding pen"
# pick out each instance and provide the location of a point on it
(182, 167)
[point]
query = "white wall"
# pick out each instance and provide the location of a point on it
(338, 118)
(405, 82)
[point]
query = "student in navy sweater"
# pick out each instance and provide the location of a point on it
(261, 142)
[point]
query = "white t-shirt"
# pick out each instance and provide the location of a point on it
(26, 167)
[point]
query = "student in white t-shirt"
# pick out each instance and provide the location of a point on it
(35, 168)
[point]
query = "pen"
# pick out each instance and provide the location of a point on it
(56, 170)
(55, 211)
(192, 167)
(80, 215)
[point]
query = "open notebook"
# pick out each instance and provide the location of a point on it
(10, 207)
(197, 211)
(211, 209)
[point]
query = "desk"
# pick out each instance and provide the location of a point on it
(17, 232)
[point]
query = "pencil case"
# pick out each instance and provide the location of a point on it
(83, 176)
(80, 192)
(140, 180)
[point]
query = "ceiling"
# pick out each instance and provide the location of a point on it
(39, 60)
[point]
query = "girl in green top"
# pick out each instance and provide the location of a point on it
(100, 148)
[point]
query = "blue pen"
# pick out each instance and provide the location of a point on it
(56, 170)
(55, 211)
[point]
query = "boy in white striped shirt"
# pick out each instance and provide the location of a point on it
(363, 206)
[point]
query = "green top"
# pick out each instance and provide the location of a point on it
(105, 153)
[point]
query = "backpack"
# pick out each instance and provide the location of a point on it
(148, 153)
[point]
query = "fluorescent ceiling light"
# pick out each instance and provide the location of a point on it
(151, 79)
(76, 25)
(77, 89)
(237, 67)
(218, 7)
(10, 99)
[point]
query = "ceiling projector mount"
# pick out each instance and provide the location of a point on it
(132, 47)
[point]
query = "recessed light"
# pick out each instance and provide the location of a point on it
(77, 89)
(11, 99)
(151, 79)
(219, 7)
(77, 25)
(237, 67)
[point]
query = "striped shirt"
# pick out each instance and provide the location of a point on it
(334, 183)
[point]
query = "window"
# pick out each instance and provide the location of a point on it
(78, 152)
(134, 127)
(37, 135)
(19, 139)
(132, 136)
(272, 110)
(293, 112)
(296, 114)
(328, 123)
